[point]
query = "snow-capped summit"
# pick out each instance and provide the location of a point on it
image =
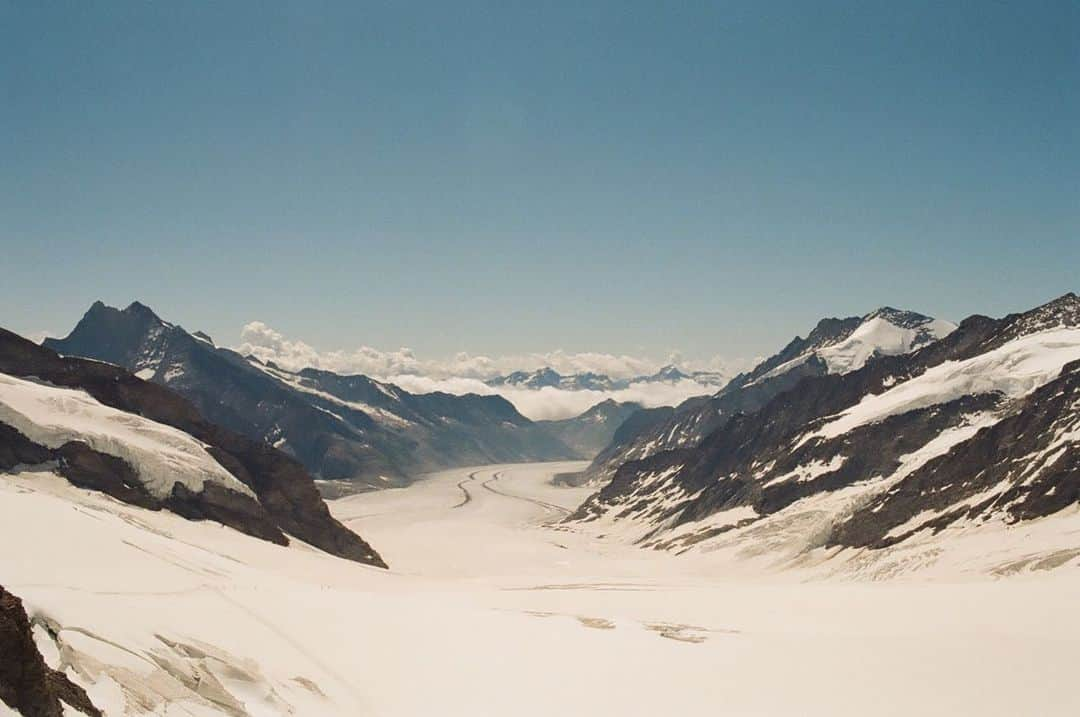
(548, 377)
(887, 332)
(845, 345)
(834, 346)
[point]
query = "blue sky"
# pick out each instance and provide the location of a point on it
(517, 177)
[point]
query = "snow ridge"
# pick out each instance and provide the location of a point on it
(161, 455)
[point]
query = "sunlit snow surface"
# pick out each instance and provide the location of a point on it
(1015, 369)
(491, 608)
(161, 455)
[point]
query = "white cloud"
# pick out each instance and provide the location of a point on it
(464, 373)
(553, 403)
(38, 336)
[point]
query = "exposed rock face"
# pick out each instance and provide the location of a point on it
(949, 454)
(287, 498)
(339, 427)
(833, 346)
(589, 432)
(636, 424)
(27, 684)
(1025, 465)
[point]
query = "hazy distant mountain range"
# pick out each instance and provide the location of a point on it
(549, 378)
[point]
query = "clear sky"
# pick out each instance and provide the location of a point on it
(508, 177)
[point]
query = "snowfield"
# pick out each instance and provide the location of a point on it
(493, 607)
(161, 455)
(1015, 369)
(880, 336)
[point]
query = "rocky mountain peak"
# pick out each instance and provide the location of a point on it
(899, 317)
(670, 372)
(1062, 312)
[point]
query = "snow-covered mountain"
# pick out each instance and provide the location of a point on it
(107, 430)
(835, 346)
(883, 332)
(959, 461)
(548, 377)
(981, 427)
(342, 428)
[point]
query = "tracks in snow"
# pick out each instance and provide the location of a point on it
(543, 504)
(468, 495)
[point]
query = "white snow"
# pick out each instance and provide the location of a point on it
(877, 335)
(161, 455)
(810, 471)
(1014, 369)
(492, 607)
(297, 382)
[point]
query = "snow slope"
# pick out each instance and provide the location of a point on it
(875, 335)
(878, 335)
(1014, 369)
(161, 455)
(494, 609)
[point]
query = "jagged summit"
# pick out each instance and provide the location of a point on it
(339, 427)
(834, 346)
(898, 317)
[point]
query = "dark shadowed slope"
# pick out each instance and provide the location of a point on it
(286, 500)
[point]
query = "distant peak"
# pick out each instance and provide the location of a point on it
(670, 371)
(1067, 299)
(899, 317)
(137, 307)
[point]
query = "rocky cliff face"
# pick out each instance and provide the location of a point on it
(285, 498)
(979, 425)
(341, 428)
(27, 683)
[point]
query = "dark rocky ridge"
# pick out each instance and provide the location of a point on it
(87, 468)
(340, 427)
(27, 683)
(635, 425)
(697, 417)
(1014, 453)
(288, 501)
(590, 431)
(748, 460)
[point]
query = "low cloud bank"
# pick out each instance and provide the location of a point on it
(464, 373)
(551, 403)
